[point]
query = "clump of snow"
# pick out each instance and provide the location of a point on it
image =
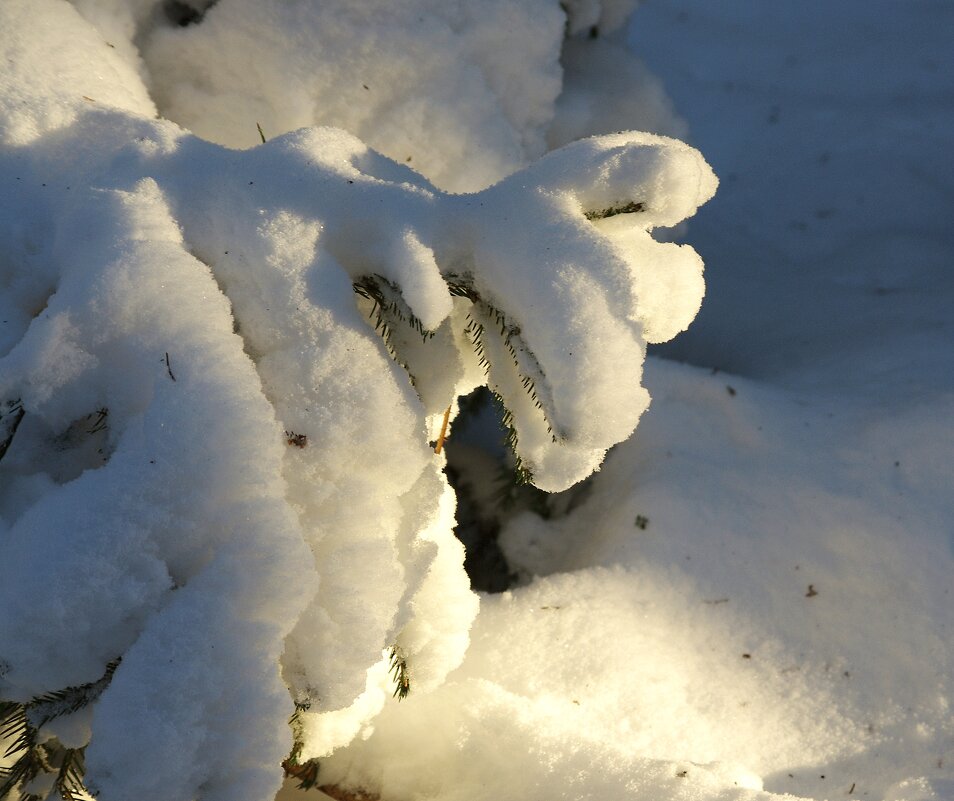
(219, 470)
(764, 571)
(40, 95)
(463, 90)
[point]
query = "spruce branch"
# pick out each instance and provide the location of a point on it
(44, 708)
(484, 317)
(389, 304)
(69, 780)
(306, 772)
(399, 673)
(11, 415)
(99, 421)
(389, 310)
(21, 724)
(626, 208)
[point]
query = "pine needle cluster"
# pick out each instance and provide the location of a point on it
(42, 765)
(306, 772)
(399, 673)
(389, 309)
(11, 415)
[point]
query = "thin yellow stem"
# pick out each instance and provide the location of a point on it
(440, 439)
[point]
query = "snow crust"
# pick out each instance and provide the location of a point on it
(222, 473)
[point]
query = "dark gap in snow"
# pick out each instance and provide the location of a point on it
(481, 470)
(184, 14)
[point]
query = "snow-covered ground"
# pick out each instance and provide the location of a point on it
(753, 598)
(782, 615)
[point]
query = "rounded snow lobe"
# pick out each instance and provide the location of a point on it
(226, 366)
(570, 296)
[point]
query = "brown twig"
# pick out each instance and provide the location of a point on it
(440, 439)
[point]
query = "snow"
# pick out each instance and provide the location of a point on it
(219, 471)
(223, 472)
(463, 89)
(756, 588)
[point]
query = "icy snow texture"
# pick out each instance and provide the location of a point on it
(220, 465)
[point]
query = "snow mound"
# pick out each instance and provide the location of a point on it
(218, 467)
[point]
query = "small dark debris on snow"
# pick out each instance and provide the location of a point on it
(746, 656)
(812, 592)
(298, 440)
(169, 367)
(730, 390)
(642, 521)
(716, 601)
(682, 774)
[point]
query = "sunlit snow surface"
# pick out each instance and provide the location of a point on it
(755, 596)
(222, 475)
(785, 617)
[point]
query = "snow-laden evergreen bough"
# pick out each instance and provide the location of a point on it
(220, 372)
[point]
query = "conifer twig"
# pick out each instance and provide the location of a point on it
(8, 426)
(440, 439)
(306, 772)
(22, 723)
(399, 674)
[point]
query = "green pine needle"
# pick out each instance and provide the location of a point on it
(11, 415)
(21, 723)
(399, 673)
